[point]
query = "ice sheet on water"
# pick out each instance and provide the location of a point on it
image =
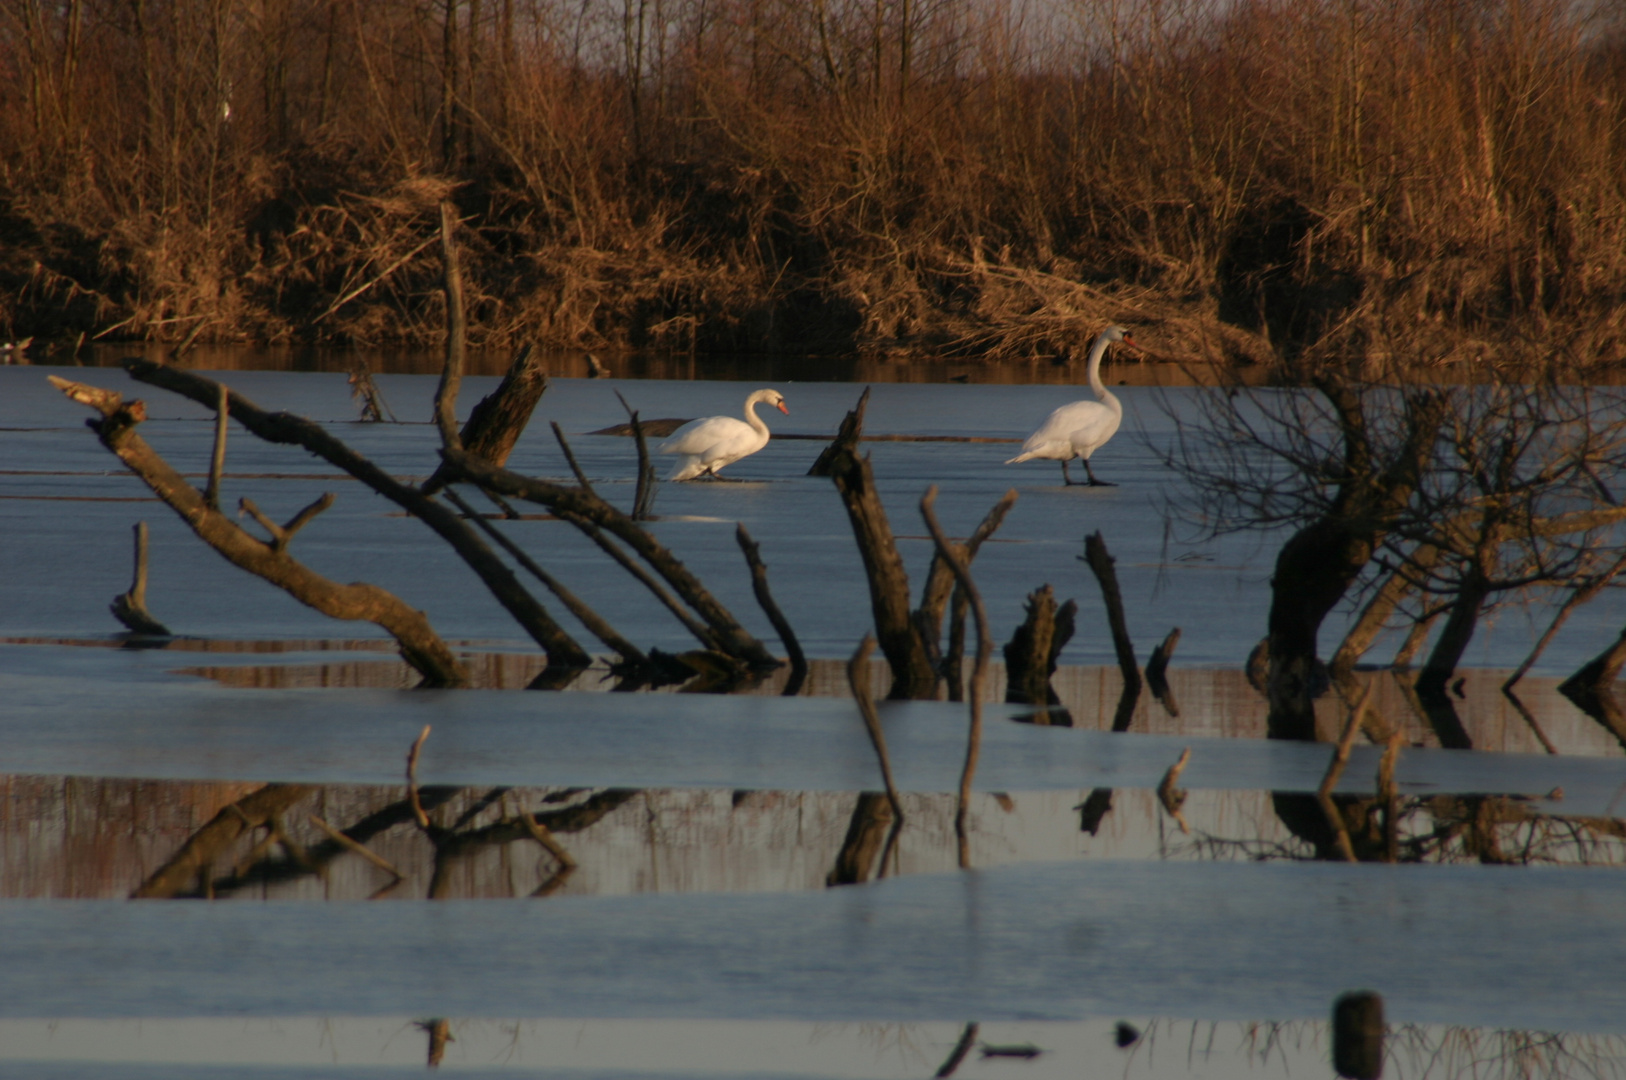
(64, 711)
(68, 508)
(1475, 946)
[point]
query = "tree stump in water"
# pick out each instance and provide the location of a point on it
(1031, 655)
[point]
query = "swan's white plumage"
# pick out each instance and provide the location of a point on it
(1079, 429)
(708, 444)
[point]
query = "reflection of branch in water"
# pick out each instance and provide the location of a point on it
(1435, 829)
(961, 1049)
(1438, 1053)
(872, 817)
(212, 844)
(956, 560)
(439, 1031)
(193, 865)
(1171, 797)
(1489, 1054)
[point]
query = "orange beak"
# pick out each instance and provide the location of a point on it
(781, 408)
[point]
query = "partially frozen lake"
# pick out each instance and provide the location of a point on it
(68, 506)
(696, 935)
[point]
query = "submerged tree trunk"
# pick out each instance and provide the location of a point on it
(1321, 561)
(914, 675)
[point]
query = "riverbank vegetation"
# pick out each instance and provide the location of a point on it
(1342, 182)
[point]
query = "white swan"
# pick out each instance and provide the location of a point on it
(1080, 429)
(714, 441)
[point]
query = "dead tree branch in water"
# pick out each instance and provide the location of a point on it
(979, 672)
(1157, 672)
(584, 509)
(1101, 563)
(1032, 653)
(940, 585)
(412, 779)
(914, 675)
(564, 654)
(643, 500)
(282, 535)
(595, 623)
(130, 608)
(781, 625)
(867, 834)
(858, 680)
(1335, 770)
(420, 646)
(193, 865)
(968, 1039)
(847, 436)
(907, 637)
(1172, 797)
(355, 847)
(498, 419)
(217, 460)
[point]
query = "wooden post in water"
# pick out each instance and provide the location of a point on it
(1357, 1035)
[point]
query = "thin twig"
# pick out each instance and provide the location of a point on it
(282, 534)
(412, 779)
(781, 625)
(1335, 770)
(544, 836)
(979, 673)
(1576, 599)
(217, 460)
(581, 477)
(355, 846)
(358, 290)
(643, 500)
(595, 623)
(130, 608)
(699, 629)
(968, 1039)
(858, 679)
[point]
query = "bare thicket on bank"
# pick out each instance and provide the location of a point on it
(1252, 178)
(1433, 506)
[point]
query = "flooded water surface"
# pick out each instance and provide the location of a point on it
(251, 849)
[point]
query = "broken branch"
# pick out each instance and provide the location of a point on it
(858, 680)
(781, 625)
(420, 645)
(979, 672)
(131, 608)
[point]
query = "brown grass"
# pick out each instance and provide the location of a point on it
(1262, 181)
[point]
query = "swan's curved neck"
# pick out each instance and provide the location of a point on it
(1097, 351)
(751, 416)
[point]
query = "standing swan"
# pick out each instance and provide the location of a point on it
(714, 441)
(1080, 429)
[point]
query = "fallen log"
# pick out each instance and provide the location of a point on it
(580, 506)
(421, 647)
(562, 650)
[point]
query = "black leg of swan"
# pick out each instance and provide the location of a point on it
(1093, 481)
